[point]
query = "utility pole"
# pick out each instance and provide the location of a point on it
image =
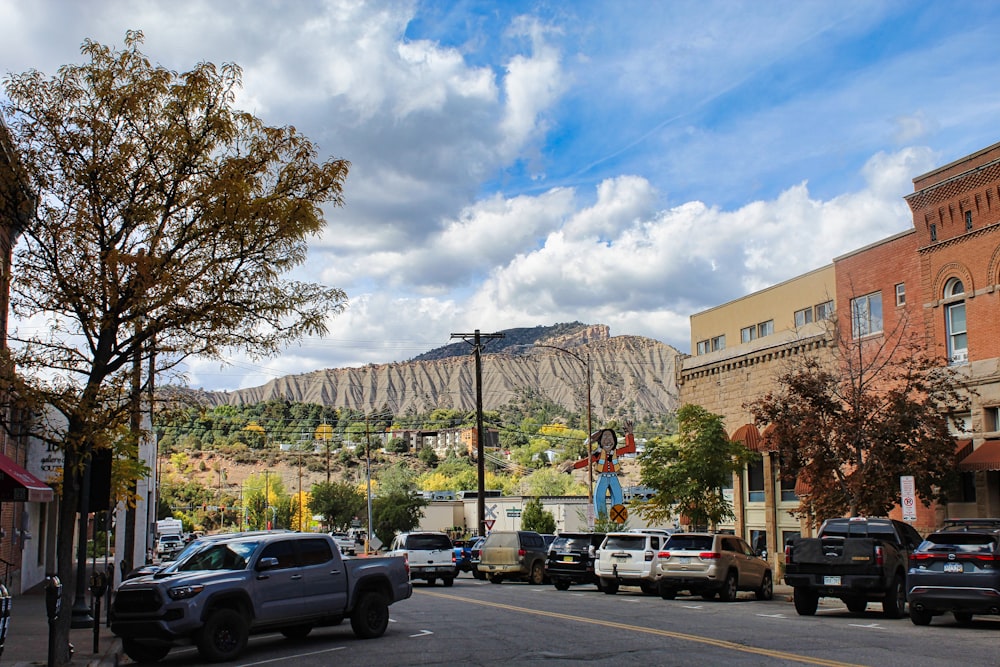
(477, 347)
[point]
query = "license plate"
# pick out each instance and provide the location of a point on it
(620, 559)
(567, 559)
(952, 567)
(685, 560)
(831, 581)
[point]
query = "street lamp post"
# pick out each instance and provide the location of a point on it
(590, 424)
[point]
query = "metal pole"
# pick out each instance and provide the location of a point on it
(368, 477)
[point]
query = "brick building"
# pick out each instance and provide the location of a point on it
(938, 284)
(24, 513)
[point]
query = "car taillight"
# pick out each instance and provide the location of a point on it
(709, 555)
(788, 554)
(406, 564)
(648, 556)
(663, 555)
(521, 553)
(879, 556)
(453, 557)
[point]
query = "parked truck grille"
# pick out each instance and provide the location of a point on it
(137, 601)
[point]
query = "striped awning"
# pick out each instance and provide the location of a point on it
(984, 457)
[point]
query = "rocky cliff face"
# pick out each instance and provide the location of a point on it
(627, 373)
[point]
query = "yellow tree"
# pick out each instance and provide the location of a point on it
(166, 221)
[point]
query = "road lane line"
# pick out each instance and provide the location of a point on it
(719, 643)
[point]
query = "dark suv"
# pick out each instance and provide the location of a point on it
(957, 570)
(571, 559)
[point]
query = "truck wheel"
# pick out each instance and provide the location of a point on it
(297, 631)
(667, 593)
(766, 590)
(448, 582)
(561, 585)
(537, 574)
(729, 587)
(478, 575)
(648, 588)
(894, 602)
(920, 616)
(142, 653)
(856, 605)
(805, 600)
(431, 581)
(610, 586)
(224, 636)
(371, 616)
(495, 578)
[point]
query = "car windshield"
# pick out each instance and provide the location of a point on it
(225, 556)
(627, 542)
(960, 542)
(427, 542)
(678, 542)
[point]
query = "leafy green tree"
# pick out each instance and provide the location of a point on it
(397, 480)
(551, 482)
(338, 502)
(396, 513)
(165, 222)
(688, 471)
(428, 456)
(535, 517)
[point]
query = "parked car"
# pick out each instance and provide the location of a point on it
(571, 558)
(857, 560)
(231, 588)
(463, 554)
(707, 564)
(957, 570)
(430, 555)
(629, 559)
(513, 554)
(475, 554)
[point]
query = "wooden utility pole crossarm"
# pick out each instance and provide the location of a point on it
(476, 340)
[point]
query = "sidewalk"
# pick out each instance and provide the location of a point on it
(28, 636)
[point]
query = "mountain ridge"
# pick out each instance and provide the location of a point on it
(629, 375)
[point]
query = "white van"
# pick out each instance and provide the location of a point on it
(430, 554)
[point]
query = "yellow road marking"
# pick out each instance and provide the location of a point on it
(719, 643)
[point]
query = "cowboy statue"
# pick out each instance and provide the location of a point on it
(606, 466)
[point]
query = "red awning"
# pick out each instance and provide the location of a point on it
(984, 457)
(749, 436)
(19, 485)
(962, 449)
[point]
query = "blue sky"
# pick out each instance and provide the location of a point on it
(526, 163)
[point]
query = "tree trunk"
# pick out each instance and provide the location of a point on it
(65, 557)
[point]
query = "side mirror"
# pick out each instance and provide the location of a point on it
(268, 563)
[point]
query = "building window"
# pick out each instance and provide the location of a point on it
(803, 317)
(719, 343)
(754, 331)
(765, 328)
(755, 481)
(747, 334)
(933, 232)
(703, 347)
(900, 294)
(958, 344)
(968, 221)
(824, 311)
(866, 315)
(991, 418)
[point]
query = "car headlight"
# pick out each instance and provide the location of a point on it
(184, 592)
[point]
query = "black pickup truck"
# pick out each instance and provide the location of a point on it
(858, 560)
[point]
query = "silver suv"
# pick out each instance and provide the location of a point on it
(629, 559)
(710, 564)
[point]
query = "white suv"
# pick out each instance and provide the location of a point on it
(430, 554)
(629, 559)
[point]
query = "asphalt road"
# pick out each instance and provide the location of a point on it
(478, 623)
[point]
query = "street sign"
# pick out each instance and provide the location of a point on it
(513, 512)
(490, 511)
(489, 523)
(908, 498)
(619, 513)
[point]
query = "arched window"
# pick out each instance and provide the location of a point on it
(954, 322)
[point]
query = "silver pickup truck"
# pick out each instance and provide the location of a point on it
(218, 595)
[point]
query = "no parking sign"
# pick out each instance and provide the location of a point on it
(909, 499)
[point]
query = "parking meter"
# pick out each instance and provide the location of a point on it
(53, 597)
(5, 603)
(98, 584)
